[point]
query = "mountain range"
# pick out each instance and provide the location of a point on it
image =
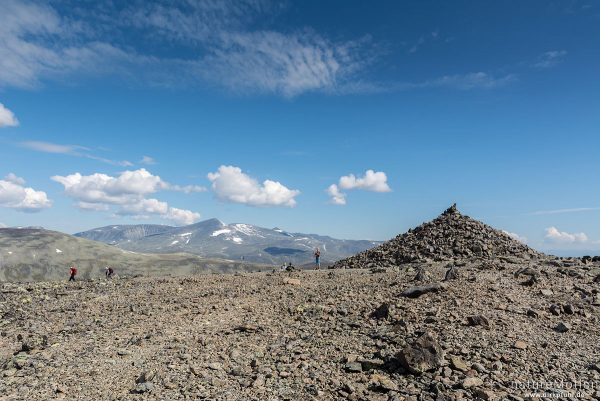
(36, 254)
(240, 242)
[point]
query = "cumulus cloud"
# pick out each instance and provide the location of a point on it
(14, 195)
(516, 236)
(563, 237)
(128, 191)
(337, 197)
(7, 117)
(12, 177)
(371, 181)
(374, 181)
(230, 184)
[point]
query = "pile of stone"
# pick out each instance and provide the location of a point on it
(451, 236)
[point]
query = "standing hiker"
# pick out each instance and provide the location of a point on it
(317, 259)
(73, 273)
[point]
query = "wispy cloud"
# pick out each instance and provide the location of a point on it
(432, 36)
(71, 150)
(475, 80)
(550, 59)
(287, 64)
(7, 117)
(562, 211)
(224, 48)
(147, 160)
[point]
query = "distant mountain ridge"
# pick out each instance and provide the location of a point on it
(35, 254)
(214, 239)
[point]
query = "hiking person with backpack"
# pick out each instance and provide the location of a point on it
(73, 273)
(317, 259)
(109, 272)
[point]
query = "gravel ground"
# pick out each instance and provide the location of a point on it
(324, 335)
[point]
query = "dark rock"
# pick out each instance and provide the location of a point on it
(421, 275)
(415, 292)
(354, 367)
(562, 327)
(382, 311)
(423, 355)
(478, 320)
(451, 273)
(556, 310)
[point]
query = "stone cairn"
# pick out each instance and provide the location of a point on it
(450, 237)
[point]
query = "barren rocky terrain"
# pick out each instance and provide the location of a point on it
(472, 315)
(326, 335)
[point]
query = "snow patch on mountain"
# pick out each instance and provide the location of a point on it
(220, 232)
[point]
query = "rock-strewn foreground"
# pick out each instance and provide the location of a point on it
(327, 335)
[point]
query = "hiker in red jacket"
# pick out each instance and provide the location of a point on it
(73, 272)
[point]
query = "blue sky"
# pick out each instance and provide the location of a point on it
(346, 118)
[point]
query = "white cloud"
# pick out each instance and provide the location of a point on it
(14, 195)
(37, 43)
(371, 181)
(128, 191)
(286, 64)
(48, 147)
(475, 80)
(146, 207)
(550, 59)
(374, 181)
(337, 197)
(7, 117)
(147, 160)
(71, 150)
(230, 184)
(226, 47)
(562, 237)
(516, 236)
(12, 177)
(562, 211)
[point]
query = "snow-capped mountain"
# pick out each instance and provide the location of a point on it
(213, 238)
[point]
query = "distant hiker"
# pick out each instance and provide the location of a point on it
(317, 259)
(109, 272)
(73, 273)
